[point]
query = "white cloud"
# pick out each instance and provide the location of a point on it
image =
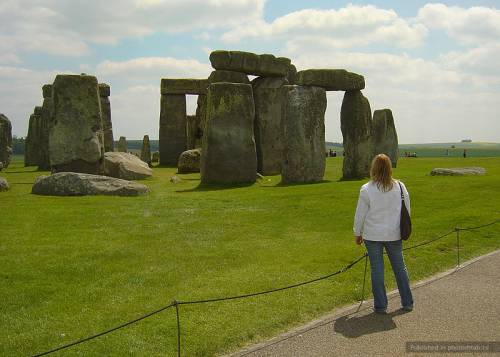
(481, 60)
(68, 28)
(473, 26)
(349, 26)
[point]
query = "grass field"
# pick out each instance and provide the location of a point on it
(73, 266)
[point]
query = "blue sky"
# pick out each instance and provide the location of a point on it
(434, 64)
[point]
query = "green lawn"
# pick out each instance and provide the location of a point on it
(73, 266)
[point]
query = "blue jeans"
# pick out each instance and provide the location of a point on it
(395, 253)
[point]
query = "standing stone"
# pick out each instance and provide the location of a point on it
(122, 144)
(228, 153)
(303, 134)
(156, 157)
(46, 121)
(107, 126)
(146, 150)
(74, 138)
(173, 138)
(192, 127)
(385, 138)
(356, 126)
(30, 144)
(268, 97)
(5, 140)
(292, 75)
(201, 114)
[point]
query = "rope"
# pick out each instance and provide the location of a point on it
(105, 332)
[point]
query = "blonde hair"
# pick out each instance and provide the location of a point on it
(381, 172)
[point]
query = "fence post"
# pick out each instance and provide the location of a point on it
(176, 304)
(458, 245)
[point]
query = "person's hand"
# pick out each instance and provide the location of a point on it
(359, 240)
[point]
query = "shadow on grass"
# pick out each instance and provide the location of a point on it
(342, 179)
(285, 184)
(207, 187)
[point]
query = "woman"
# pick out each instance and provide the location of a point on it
(376, 223)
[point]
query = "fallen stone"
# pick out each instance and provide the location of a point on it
(183, 86)
(4, 185)
(228, 151)
(303, 134)
(125, 166)
(5, 140)
(331, 79)
(268, 97)
(458, 171)
(250, 63)
(175, 179)
(74, 142)
(385, 138)
(79, 184)
(356, 127)
(219, 76)
(122, 144)
(173, 136)
(189, 161)
(146, 150)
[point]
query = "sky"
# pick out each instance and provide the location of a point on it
(435, 65)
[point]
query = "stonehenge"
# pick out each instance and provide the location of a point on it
(107, 126)
(5, 141)
(385, 138)
(75, 136)
(287, 118)
(273, 124)
(146, 151)
(303, 134)
(228, 149)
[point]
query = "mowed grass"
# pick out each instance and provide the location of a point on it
(74, 266)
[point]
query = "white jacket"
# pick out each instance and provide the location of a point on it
(378, 213)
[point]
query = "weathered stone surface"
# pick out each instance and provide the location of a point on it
(303, 134)
(201, 115)
(4, 185)
(155, 157)
(219, 76)
(228, 151)
(125, 166)
(107, 126)
(331, 79)
(47, 91)
(79, 184)
(74, 138)
(385, 138)
(192, 130)
(356, 126)
(292, 75)
(250, 63)
(46, 120)
(173, 136)
(1, 166)
(5, 140)
(183, 86)
(146, 150)
(30, 144)
(122, 144)
(189, 161)
(268, 97)
(458, 171)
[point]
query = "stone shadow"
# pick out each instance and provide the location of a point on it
(206, 187)
(356, 326)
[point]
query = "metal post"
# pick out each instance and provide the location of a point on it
(458, 246)
(176, 303)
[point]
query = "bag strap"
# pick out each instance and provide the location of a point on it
(401, 189)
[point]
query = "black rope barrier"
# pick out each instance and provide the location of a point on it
(105, 332)
(177, 303)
